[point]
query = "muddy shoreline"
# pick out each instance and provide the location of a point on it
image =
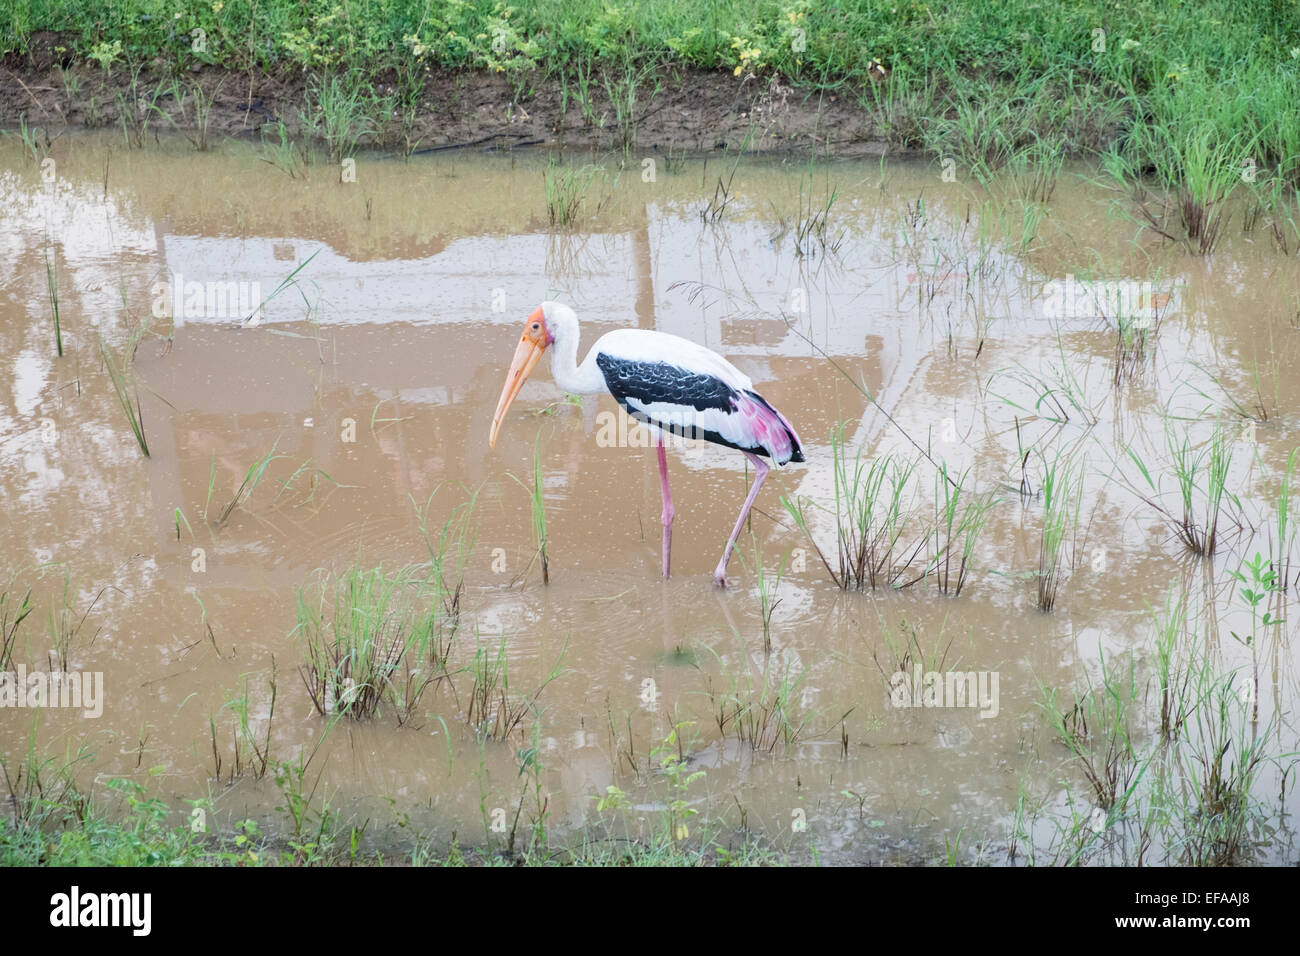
(681, 110)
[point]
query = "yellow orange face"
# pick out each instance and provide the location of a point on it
(529, 351)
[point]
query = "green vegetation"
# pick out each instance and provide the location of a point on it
(13, 610)
(566, 192)
(56, 824)
(252, 478)
(1162, 751)
(1186, 795)
(60, 814)
(52, 285)
(537, 499)
(118, 377)
(1062, 486)
(371, 637)
(871, 515)
(1195, 93)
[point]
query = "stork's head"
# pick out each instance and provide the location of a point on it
(535, 340)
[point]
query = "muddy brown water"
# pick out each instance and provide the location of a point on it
(381, 368)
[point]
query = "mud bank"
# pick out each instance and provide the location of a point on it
(680, 110)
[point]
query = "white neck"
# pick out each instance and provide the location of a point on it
(584, 379)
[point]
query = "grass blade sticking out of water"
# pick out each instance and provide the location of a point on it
(455, 544)
(52, 284)
(252, 478)
(285, 155)
(65, 626)
(870, 519)
(12, 614)
(907, 655)
(134, 415)
(767, 590)
(179, 517)
(566, 192)
(536, 494)
(286, 282)
(1173, 673)
(957, 527)
(1201, 533)
(35, 140)
(1197, 169)
(1136, 329)
(812, 227)
(370, 637)
(1200, 537)
(716, 207)
(1096, 730)
(246, 738)
(760, 713)
(1210, 171)
(1038, 168)
(492, 710)
(212, 481)
(1062, 491)
(1224, 755)
(1285, 533)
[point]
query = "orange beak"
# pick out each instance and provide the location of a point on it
(527, 354)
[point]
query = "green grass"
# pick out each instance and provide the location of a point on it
(629, 85)
(1182, 92)
(536, 489)
(871, 511)
(129, 828)
(52, 286)
(336, 112)
(959, 518)
(768, 586)
(118, 379)
(812, 230)
(1206, 507)
(760, 710)
(59, 815)
(566, 192)
(492, 709)
(135, 109)
(252, 478)
(194, 104)
(1098, 730)
(1172, 671)
(371, 637)
(1171, 747)
(13, 611)
(283, 153)
(1062, 486)
(252, 751)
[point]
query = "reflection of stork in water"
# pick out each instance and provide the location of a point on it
(668, 382)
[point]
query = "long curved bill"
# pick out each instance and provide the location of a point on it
(526, 357)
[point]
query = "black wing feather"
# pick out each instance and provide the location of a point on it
(649, 382)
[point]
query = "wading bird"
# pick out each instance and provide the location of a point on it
(671, 384)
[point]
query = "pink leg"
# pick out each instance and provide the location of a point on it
(760, 472)
(666, 516)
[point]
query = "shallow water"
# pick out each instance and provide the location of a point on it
(380, 370)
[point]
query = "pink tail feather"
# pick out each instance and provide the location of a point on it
(769, 429)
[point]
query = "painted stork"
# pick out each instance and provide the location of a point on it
(671, 384)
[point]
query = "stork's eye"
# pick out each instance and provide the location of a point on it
(536, 326)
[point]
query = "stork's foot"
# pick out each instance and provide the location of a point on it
(720, 579)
